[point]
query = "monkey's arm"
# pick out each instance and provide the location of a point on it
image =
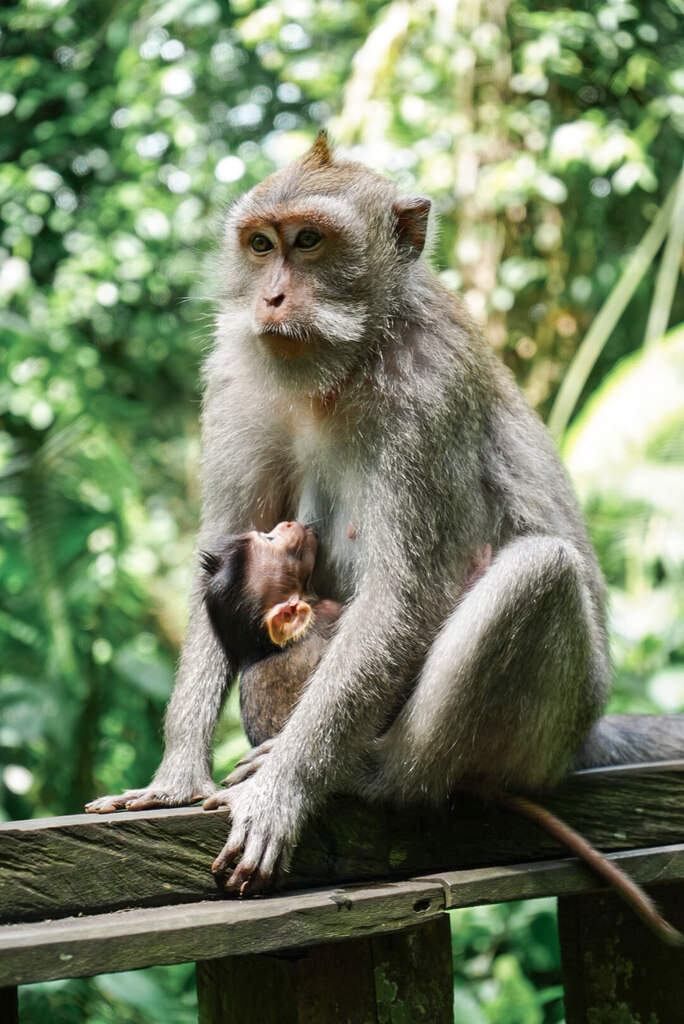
(184, 776)
(241, 486)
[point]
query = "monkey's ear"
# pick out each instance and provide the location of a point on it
(320, 154)
(288, 621)
(209, 563)
(412, 218)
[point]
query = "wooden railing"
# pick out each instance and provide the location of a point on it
(359, 933)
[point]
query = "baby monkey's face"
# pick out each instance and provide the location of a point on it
(280, 563)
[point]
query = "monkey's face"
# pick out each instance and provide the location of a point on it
(308, 315)
(290, 257)
(280, 563)
(316, 258)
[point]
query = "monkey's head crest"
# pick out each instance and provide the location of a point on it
(320, 154)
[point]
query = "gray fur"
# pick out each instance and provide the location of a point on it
(398, 418)
(632, 739)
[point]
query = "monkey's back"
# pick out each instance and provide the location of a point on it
(270, 688)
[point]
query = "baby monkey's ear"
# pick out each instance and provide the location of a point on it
(288, 620)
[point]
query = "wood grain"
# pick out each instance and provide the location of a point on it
(128, 939)
(57, 867)
(614, 969)
(399, 977)
(125, 940)
(327, 984)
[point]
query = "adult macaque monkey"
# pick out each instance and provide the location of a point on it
(348, 386)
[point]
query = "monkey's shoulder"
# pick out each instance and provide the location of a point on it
(285, 671)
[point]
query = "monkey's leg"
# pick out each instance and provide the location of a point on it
(625, 739)
(510, 685)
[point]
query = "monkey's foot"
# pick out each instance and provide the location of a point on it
(152, 796)
(249, 764)
(217, 800)
(261, 840)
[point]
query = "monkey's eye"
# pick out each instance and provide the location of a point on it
(260, 244)
(307, 239)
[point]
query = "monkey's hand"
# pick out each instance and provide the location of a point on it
(265, 827)
(155, 795)
(249, 764)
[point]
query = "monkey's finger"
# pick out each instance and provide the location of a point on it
(230, 852)
(151, 798)
(255, 752)
(106, 804)
(226, 858)
(255, 869)
(239, 881)
(274, 857)
(241, 772)
(216, 800)
(203, 794)
(257, 883)
(269, 871)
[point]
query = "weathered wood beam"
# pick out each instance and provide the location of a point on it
(9, 1005)
(124, 940)
(403, 976)
(57, 867)
(554, 878)
(128, 939)
(614, 969)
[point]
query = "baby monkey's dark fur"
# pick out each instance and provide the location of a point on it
(272, 678)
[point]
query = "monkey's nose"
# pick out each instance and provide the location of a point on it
(276, 300)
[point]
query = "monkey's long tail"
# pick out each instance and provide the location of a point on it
(639, 900)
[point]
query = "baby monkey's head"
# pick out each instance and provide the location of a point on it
(256, 589)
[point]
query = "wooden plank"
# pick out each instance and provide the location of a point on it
(9, 1005)
(92, 863)
(614, 969)
(76, 947)
(414, 974)
(401, 977)
(256, 989)
(125, 940)
(554, 878)
(58, 867)
(394, 979)
(325, 984)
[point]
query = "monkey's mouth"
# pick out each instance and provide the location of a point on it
(286, 342)
(284, 331)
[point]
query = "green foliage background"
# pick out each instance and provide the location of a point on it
(548, 136)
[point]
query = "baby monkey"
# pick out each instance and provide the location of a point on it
(274, 631)
(272, 628)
